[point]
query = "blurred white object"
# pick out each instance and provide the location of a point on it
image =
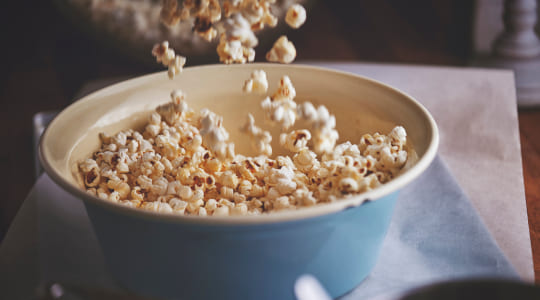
(308, 287)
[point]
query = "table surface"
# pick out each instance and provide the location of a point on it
(57, 61)
(529, 126)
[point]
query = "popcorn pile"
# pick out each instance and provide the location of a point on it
(183, 162)
(235, 22)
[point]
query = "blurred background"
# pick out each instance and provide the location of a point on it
(52, 48)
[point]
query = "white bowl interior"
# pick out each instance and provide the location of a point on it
(359, 104)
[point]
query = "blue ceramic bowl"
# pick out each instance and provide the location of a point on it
(250, 257)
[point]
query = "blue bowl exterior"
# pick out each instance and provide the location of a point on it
(258, 261)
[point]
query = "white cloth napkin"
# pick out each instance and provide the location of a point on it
(435, 235)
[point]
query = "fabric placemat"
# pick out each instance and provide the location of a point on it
(435, 235)
(476, 112)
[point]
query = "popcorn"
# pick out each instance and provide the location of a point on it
(296, 140)
(183, 163)
(245, 187)
(281, 108)
(239, 198)
(304, 197)
(257, 83)
(214, 136)
(194, 206)
(228, 179)
(210, 206)
(260, 139)
(323, 127)
(167, 57)
(348, 185)
(285, 90)
(226, 192)
(239, 29)
(282, 112)
(283, 51)
(235, 21)
(144, 182)
(296, 16)
(232, 51)
(175, 66)
(239, 210)
(161, 207)
(178, 206)
(114, 197)
(221, 211)
(398, 135)
(202, 212)
(90, 172)
(136, 193)
(281, 203)
(285, 186)
(203, 24)
(131, 203)
(120, 187)
(169, 14)
(230, 7)
(237, 40)
(306, 160)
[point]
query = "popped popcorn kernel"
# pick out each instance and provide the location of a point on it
(168, 58)
(283, 51)
(296, 140)
(256, 83)
(221, 211)
(285, 90)
(260, 139)
(169, 14)
(296, 16)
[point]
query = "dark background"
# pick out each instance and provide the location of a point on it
(46, 58)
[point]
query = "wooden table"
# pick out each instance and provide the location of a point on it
(529, 125)
(48, 60)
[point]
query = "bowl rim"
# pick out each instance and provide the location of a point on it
(277, 217)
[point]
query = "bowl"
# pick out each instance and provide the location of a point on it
(239, 257)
